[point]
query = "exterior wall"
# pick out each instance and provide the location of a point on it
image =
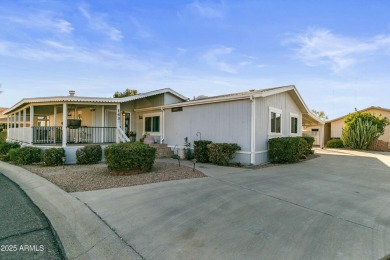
(337, 126)
(171, 99)
(286, 104)
(153, 101)
(218, 122)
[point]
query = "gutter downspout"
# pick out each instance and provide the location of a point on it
(253, 130)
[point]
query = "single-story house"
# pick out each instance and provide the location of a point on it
(335, 126)
(3, 118)
(246, 118)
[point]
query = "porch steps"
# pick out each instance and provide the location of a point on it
(162, 150)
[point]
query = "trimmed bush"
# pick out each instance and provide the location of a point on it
(25, 155)
(335, 143)
(310, 141)
(89, 154)
(53, 156)
(134, 156)
(287, 149)
(5, 147)
(201, 153)
(222, 154)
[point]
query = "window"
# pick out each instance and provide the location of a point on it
(152, 124)
(294, 125)
(275, 121)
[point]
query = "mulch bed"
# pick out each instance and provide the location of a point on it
(75, 178)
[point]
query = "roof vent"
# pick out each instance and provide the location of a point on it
(72, 93)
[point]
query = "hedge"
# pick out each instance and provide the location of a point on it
(222, 154)
(5, 147)
(335, 143)
(310, 142)
(201, 152)
(134, 156)
(53, 156)
(25, 155)
(287, 149)
(89, 154)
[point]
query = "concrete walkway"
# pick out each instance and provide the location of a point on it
(25, 233)
(333, 207)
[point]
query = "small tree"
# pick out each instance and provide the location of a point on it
(126, 93)
(320, 114)
(360, 129)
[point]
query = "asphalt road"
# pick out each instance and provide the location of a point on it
(25, 232)
(336, 206)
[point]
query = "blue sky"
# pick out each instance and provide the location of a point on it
(337, 53)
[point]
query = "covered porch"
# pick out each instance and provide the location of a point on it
(66, 123)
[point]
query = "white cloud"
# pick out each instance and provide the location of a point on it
(222, 58)
(208, 9)
(98, 23)
(40, 20)
(318, 47)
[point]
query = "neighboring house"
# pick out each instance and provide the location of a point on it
(247, 118)
(335, 126)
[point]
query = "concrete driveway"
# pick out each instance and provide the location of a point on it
(336, 206)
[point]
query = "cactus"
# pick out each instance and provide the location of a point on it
(359, 134)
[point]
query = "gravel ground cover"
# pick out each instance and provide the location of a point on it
(75, 178)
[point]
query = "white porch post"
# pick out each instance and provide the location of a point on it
(14, 120)
(55, 124)
(19, 126)
(24, 125)
(64, 124)
(32, 124)
(118, 121)
(253, 130)
(162, 126)
(102, 137)
(24, 117)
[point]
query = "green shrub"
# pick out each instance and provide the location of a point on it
(189, 154)
(335, 143)
(309, 140)
(222, 154)
(53, 156)
(25, 155)
(89, 154)
(3, 136)
(201, 153)
(5, 147)
(287, 149)
(134, 156)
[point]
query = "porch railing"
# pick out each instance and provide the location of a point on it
(81, 135)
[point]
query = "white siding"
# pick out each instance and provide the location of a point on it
(227, 122)
(286, 104)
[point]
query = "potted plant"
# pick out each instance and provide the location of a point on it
(148, 139)
(74, 123)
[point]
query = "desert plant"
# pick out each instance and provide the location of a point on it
(53, 156)
(89, 154)
(287, 149)
(222, 154)
(201, 152)
(360, 129)
(134, 156)
(335, 143)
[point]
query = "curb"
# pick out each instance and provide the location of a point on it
(82, 234)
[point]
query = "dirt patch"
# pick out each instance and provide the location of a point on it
(74, 178)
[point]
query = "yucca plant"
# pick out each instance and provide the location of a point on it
(359, 134)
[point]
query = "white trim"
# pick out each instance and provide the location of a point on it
(279, 111)
(298, 124)
(162, 125)
(256, 152)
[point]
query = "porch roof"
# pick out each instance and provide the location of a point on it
(78, 99)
